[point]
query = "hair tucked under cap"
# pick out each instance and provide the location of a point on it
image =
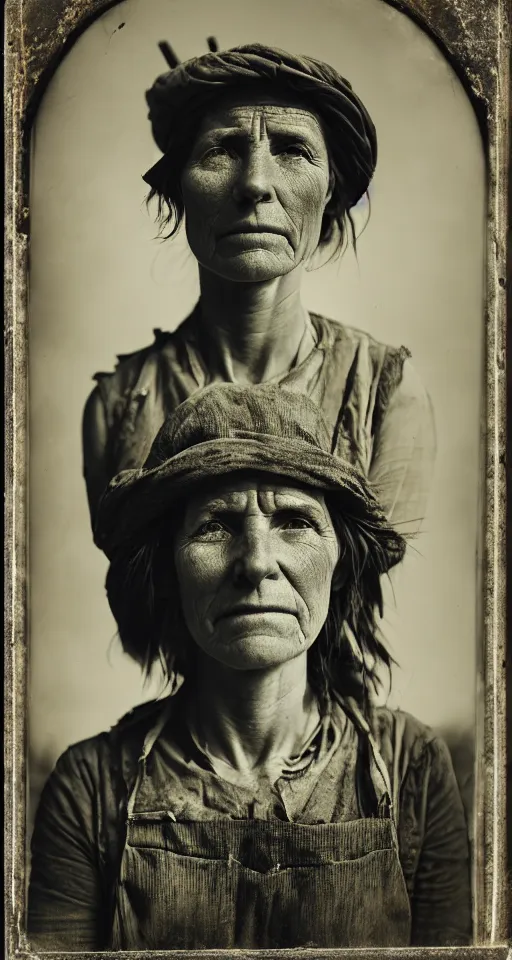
(350, 133)
(226, 430)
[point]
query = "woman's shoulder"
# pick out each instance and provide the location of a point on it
(128, 366)
(400, 733)
(92, 758)
(341, 333)
(355, 354)
(403, 739)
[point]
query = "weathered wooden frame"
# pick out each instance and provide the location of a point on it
(475, 36)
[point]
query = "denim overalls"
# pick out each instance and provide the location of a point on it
(230, 884)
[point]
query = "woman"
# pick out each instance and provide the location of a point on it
(267, 802)
(264, 155)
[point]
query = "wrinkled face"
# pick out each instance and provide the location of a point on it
(255, 560)
(255, 189)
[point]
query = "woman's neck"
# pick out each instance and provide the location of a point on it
(252, 332)
(250, 718)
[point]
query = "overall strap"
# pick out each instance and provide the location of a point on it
(129, 749)
(387, 802)
(125, 738)
(149, 742)
(398, 737)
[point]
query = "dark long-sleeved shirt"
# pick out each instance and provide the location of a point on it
(79, 830)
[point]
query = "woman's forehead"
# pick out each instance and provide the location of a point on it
(234, 492)
(239, 110)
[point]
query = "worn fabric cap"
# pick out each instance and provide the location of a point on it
(227, 428)
(350, 132)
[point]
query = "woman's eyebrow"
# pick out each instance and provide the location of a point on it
(292, 136)
(220, 506)
(281, 502)
(217, 134)
(288, 504)
(276, 131)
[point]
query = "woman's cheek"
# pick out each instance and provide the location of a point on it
(202, 565)
(198, 568)
(307, 220)
(202, 189)
(310, 568)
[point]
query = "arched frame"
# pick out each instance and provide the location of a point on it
(474, 35)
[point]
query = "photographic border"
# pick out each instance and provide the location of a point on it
(474, 35)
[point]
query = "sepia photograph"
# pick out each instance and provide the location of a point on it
(258, 628)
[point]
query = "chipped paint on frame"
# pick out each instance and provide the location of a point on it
(475, 36)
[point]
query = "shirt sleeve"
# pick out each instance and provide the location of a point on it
(65, 904)
(441, 901)
(404, 453)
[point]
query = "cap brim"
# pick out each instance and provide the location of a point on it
(135, 499)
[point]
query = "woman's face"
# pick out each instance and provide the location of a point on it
(255, 189)
(255, 560)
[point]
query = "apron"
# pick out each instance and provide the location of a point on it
(226, 884)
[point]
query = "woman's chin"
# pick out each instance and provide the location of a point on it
(259, 652)
(251, 266)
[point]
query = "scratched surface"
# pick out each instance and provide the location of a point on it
(475, 37)
(467, 29)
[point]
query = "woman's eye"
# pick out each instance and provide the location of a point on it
(296, 523)
(212, 529)
(215, 153)
(294, 150)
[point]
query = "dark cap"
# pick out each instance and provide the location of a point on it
(190, 87)
(224, 429)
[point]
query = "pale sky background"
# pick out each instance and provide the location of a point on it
(100, 283)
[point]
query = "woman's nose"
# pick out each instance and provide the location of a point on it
(254, 181)
(256, 560)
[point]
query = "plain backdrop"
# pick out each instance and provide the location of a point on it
(100, 282)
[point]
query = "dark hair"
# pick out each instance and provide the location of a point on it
(346, 658)
(337, 222)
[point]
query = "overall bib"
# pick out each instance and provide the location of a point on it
(229, 884)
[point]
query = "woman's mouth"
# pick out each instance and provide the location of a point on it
(252, 234)
(247, 610)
